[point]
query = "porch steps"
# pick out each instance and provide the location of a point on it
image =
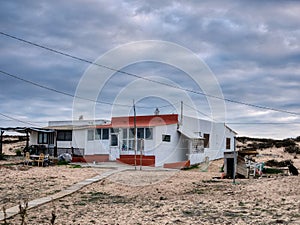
(91, 158)
(129, 159)
(177, 165)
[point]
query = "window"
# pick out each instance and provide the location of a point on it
(91, 135)
(125, 134)
(197, 146)
(42, 138)
(114, 130)
(140, 145)
(98, 134)
(148, 133)
(166, 138)
(131, 145)
(206, 140)
(140, 133)
(228, 140)
(114, 140)
(64, 135)
(105, 134)
(131, 133)
(128, 137)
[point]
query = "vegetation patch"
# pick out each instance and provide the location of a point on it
(275, 163)
(62, 163)
(104, 198)
(290, 144)
(272, 171)
(196, 166)
(75, 166)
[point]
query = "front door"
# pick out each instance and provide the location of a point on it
(114, 147)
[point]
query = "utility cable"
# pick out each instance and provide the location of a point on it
(18, 120)
(147, 79)
(68, 94)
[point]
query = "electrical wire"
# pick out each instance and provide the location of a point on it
(147, 79)
(202, 113)
(18, 120)
(71, 95)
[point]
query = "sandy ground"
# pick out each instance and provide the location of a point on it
(10, 149)
(25, 182)
(167, 197)
(155, 197)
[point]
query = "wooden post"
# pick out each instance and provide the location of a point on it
(181, 113)
(1, 139)
(134, 133)
(27, 139)
(141, 153)
(234, 161)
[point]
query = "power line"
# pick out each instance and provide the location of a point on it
(262, 123)
(202, 113)
(18, 120)
(147, 79)
(68, 94)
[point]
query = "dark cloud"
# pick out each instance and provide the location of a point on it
(252, 48)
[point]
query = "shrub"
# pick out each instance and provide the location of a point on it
(292, 149)
(18, 152)
(272, 171)
(59, 163)
(275, 163)
(2, 156)
(297, 139)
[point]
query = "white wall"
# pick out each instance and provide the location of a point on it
(218, 133)
(97, 147)
(169, 152)
(79, 138)
(33, 139)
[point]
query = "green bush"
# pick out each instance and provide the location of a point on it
(18, 152)
(275, 163)
(292, 149)
(60, 163)
(272, 171)
(2, 156)
(297, 139)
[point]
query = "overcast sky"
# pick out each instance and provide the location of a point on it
(251, 47)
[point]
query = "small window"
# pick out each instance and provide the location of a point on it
(105, 134)
(125, 133)
(166, 138)
(131, 133)
(64, 135)
(206, 140)
(97, 134)
(42, 138)
(228, 140)
(114, 130)
(140, 145)
(114, 140)
(124, 145)
(140, 133)
(131, 145)
(91, 134)
(148, 134)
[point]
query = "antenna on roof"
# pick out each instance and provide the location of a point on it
(181, 113)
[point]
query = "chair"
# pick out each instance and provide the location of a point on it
(27, 159)
(40, 159)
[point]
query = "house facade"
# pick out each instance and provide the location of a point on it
(159, 140)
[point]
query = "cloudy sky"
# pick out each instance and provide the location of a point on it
(251, 48)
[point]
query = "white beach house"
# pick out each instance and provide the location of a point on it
(161, 140)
